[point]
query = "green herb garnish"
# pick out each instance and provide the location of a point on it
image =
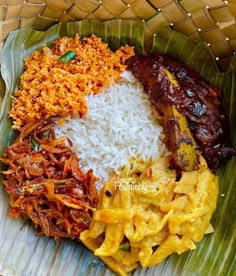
(67, 57)
(125, 246)
(34, 144)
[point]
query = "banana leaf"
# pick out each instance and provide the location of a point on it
(21, 253)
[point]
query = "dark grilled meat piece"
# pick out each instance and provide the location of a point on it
(167, 82)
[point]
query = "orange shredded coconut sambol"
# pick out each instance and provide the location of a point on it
(49, 87)
(45, 183)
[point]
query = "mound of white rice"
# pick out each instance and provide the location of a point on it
(119, 124)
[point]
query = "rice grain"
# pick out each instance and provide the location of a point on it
(119, 124)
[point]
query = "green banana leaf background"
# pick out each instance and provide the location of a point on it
(21, 253)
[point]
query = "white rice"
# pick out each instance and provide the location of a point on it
(119, 124)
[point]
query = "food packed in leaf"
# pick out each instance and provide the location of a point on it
(116, 151)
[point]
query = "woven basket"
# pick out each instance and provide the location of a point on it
(212, 21)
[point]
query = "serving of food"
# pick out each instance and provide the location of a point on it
(144, 214)
(116, 150)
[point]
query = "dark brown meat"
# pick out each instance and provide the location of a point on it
(168, 81)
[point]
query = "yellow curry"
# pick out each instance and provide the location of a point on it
(146, 212)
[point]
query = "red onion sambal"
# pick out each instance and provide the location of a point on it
(45, 183)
